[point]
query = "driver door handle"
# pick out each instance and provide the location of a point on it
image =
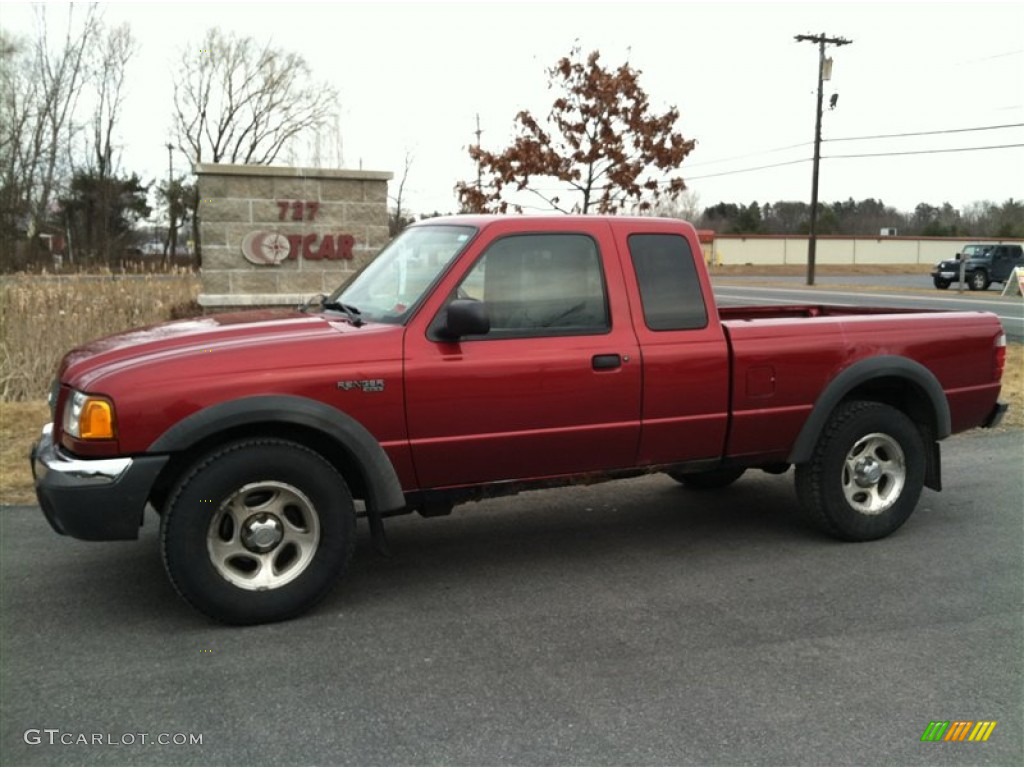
(606, 362)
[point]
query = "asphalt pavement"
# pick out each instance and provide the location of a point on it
(632, 623)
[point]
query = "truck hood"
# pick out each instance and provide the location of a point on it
(235, 342)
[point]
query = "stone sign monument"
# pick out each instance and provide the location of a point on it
(273, 236)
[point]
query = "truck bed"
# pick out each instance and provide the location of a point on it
(783, 357)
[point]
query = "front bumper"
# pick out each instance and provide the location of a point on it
(92, 499)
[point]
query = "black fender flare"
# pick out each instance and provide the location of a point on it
(384, 492)
(862, 372)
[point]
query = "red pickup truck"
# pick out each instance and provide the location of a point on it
(478, 356)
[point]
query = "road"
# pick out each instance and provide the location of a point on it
(625, 624)
(735, 291)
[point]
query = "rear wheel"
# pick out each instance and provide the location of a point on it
(702, 481)
(866, 474)
(978, 281)
(257, 531)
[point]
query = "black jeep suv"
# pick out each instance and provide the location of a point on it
(983, 265)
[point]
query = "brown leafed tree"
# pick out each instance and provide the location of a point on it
(601, 145)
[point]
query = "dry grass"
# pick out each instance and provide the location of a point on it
(1013, 385)
(19, 428)
(41, 318)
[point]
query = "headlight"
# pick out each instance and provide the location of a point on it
(89, 417)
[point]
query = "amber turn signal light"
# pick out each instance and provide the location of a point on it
(89, 417)
(97, 421)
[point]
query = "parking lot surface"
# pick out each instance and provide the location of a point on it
(630, 623)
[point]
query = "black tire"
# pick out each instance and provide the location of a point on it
(258, 530)
(940, 283)
(978, 280)
(706, 481)
(866, 474)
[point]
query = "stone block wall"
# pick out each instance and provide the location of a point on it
(273, 236)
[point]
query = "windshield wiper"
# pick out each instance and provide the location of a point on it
(349, 311)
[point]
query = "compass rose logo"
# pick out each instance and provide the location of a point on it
(261, 247)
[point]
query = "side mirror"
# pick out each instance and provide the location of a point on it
(465, 317)
(958, 257)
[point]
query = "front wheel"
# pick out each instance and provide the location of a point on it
(866, 474)
(940, 283)
(257, 531)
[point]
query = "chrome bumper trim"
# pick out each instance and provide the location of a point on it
(48, 457)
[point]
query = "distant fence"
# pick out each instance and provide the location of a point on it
(792, 249)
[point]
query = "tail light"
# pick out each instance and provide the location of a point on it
(999, 363)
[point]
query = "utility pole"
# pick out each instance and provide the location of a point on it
(171, 244)
(812, 241)
(479, 172)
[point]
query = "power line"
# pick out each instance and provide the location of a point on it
(870, 154)
(707, 175)
(929, 133)
(747, 170)
(823, 157)
(925, 151)
(989, 58)
(849, 138)
(750, 154)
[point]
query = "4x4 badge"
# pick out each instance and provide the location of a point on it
(367, 385)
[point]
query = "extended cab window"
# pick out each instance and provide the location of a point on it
(669, 287)
(540, 285)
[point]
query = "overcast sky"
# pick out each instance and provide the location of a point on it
(413, 76)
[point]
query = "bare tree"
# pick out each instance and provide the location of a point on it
(41, 86)
(107, 73)
(239, 101)
(324, 149)
(685, 206)
(17, 93)
(397, 218)
(107, 67)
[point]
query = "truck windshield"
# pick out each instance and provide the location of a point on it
(391, 285)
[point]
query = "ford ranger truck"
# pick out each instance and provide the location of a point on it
(479, 356)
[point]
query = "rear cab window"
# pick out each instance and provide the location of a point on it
(669, 285)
